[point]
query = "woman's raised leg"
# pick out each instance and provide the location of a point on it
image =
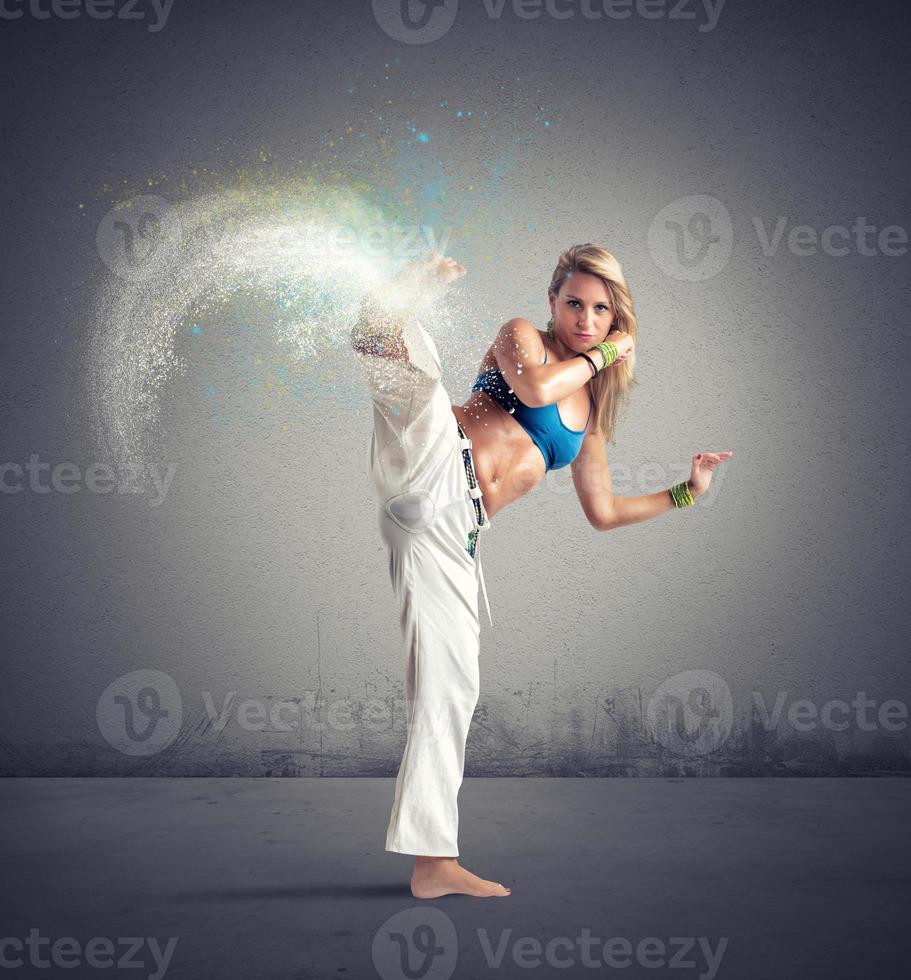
(425, 516)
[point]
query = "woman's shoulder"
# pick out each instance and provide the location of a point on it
(489, 361)
(516, 333)
(519, 328)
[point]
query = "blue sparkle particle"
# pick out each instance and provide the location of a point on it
(423, 137)
(196, 330)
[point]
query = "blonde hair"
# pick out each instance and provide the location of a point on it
(610, 388)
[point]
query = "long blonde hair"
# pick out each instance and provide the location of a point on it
(610, 388)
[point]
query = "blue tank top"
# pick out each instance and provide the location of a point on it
(559, 444)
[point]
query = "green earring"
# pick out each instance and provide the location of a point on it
(551, 330)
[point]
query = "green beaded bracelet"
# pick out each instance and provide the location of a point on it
(681, 495)
(608, 350)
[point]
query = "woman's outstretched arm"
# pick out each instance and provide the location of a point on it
(606, 510)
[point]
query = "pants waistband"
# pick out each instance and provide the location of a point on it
(481, 519)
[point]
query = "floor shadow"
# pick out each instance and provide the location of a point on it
(303, 892)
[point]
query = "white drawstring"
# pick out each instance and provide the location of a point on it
(484, 589)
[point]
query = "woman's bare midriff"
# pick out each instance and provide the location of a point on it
(507, 462)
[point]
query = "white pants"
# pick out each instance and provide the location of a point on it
(426, 516)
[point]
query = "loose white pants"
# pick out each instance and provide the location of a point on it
(426, 517)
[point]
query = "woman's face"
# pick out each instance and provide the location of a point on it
(582, 311)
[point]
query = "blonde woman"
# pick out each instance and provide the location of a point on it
(542, 400)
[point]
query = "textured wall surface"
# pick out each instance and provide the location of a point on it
(763, 631)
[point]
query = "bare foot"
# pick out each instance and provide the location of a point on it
(436, 876)
(380, 326)
(421, 282)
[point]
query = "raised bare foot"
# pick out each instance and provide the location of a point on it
(422, 281)
(385, 310)
(437, 876)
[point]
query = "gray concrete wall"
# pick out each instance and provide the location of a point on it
(163, 636)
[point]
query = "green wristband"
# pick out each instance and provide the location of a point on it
(681, 495)
(609, 351)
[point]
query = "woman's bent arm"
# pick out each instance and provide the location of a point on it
(519, 351)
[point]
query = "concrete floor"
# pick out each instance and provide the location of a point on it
(262, 878)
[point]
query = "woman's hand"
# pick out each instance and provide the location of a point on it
(624, 343)
(703, 466)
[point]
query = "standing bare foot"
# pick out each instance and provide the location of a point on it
(436, 876)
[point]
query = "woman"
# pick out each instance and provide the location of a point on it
(541, 401)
